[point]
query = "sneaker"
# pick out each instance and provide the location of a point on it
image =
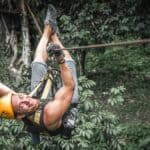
(70, 118)
(51, 16)
(57, 51)
(69, 123)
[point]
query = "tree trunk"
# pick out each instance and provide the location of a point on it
(11, 42)
(4, 34)
(26, 50)
(14, 46)
(81, 60)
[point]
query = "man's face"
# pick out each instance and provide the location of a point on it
(24, 104)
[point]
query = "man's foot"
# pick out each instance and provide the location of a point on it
(57, 51)
(51, 16)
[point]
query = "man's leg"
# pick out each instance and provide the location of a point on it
(39, 67)
(71, 64)
(49, 29)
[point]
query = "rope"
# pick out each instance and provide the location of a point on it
(143, 41)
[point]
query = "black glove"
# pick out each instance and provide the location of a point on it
(57, 51)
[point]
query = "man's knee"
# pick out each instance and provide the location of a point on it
(38, 71)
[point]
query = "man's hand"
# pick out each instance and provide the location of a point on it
(57, 51)
(5, 90)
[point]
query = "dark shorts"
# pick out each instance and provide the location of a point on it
(39, 69)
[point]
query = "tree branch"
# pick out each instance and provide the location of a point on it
(6, 31)
(34, 19)
(11, 40)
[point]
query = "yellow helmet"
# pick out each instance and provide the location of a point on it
(6, 109)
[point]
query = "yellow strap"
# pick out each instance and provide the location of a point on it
(35, 89)
(47, 87)
(37, 117)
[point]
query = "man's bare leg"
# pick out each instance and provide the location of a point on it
(41, 53)
(49, 29)
(39, 67)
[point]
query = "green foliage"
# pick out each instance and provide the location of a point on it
(133, 60)
(12, 135)
(135, 136)
(116, 95)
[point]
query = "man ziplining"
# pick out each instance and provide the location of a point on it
(51, 113)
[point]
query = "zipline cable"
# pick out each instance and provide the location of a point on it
(143, 41)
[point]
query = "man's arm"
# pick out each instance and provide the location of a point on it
(55, 109)
(5, 90)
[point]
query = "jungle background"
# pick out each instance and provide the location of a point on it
(114, 82)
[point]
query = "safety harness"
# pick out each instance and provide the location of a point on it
(43, 88)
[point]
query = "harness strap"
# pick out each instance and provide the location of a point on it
(36, 88)
(48, 86)
(36, 118)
